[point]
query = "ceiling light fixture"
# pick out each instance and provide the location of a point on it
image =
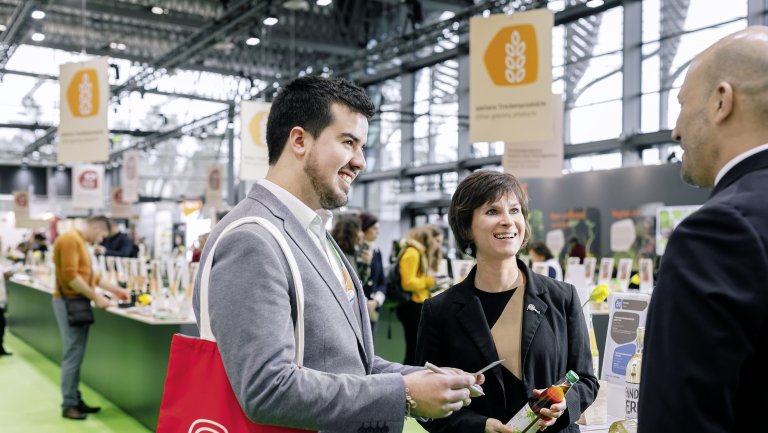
(38, 37)
(324, 2)
(252, 41)
(594, 3)
(296, 5)
(3, 28)
(157, 10)
(270, 20)
(37, 15)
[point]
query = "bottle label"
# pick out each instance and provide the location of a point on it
(632, 394)
(523, 421)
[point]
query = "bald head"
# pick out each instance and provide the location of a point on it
(723, 104)
(740, 59)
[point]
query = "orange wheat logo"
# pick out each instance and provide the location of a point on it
(256, 128)
(512, 57)
(83, 93)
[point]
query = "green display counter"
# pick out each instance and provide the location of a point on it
(126, 357)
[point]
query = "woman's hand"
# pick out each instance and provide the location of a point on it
(495, 426)
(548, 416)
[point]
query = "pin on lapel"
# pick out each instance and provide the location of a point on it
(532, 307)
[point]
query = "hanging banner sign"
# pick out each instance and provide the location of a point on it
(118, 208)
(254, 158)
(21, 208)
(213, 187)
(538, 159)
(83, 131)
(511, 77)
(88, 187)
(130, 176)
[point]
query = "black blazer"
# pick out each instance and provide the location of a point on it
(454, 333)
(705, 356)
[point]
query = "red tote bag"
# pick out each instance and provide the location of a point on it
(198, 397)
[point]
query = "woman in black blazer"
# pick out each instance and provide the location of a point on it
(502, 310)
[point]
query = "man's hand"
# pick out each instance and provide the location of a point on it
(493, 425)
(121, 293)
(366, 256)
(438, 395)
(101, 301)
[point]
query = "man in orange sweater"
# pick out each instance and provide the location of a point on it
(75, 278)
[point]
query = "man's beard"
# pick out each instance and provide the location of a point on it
(329, 199)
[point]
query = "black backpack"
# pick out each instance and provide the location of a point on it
(395, 292)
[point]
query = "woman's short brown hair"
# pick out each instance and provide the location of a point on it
(477, 189)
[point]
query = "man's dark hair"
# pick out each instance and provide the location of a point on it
(541, 249)
(477, 189)
(306, 102)
(100, 219)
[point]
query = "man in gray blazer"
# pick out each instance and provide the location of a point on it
(316, 131)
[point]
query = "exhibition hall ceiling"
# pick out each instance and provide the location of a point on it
(176, 61)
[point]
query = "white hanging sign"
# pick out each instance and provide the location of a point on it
(510, 97)
(213, 187)
(118, 208)
(541, 158)
(88, 186)
(130, 176)
(21, 208)
(83, 130)
(254, 158)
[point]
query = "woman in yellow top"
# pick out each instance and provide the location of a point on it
(421, 253)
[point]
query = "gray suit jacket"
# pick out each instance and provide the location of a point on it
(343, 386)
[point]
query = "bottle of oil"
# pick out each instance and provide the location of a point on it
(632, 388)
(624, 426)
(525, 419)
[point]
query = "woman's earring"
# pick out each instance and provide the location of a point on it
(468, 250)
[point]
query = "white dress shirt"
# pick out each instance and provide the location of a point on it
(741, 157)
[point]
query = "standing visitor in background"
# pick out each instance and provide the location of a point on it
(117, 243)
(539, 253)
(75, 278)
(316, 130)
(420, 255)
(3, 300)
(706, 338)
(577, 249)
(375, 287)
(348, 234)
(502, 310)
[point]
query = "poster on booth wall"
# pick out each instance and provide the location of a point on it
(510, 75)
(213, 187)
(129, 176)
(88, 186)
(538, 159)
(83, 130)
(254, 158)
(627, 312)
(118, 208)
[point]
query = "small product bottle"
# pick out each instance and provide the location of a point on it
(632, 389)
(525, 419)
(624, 426)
